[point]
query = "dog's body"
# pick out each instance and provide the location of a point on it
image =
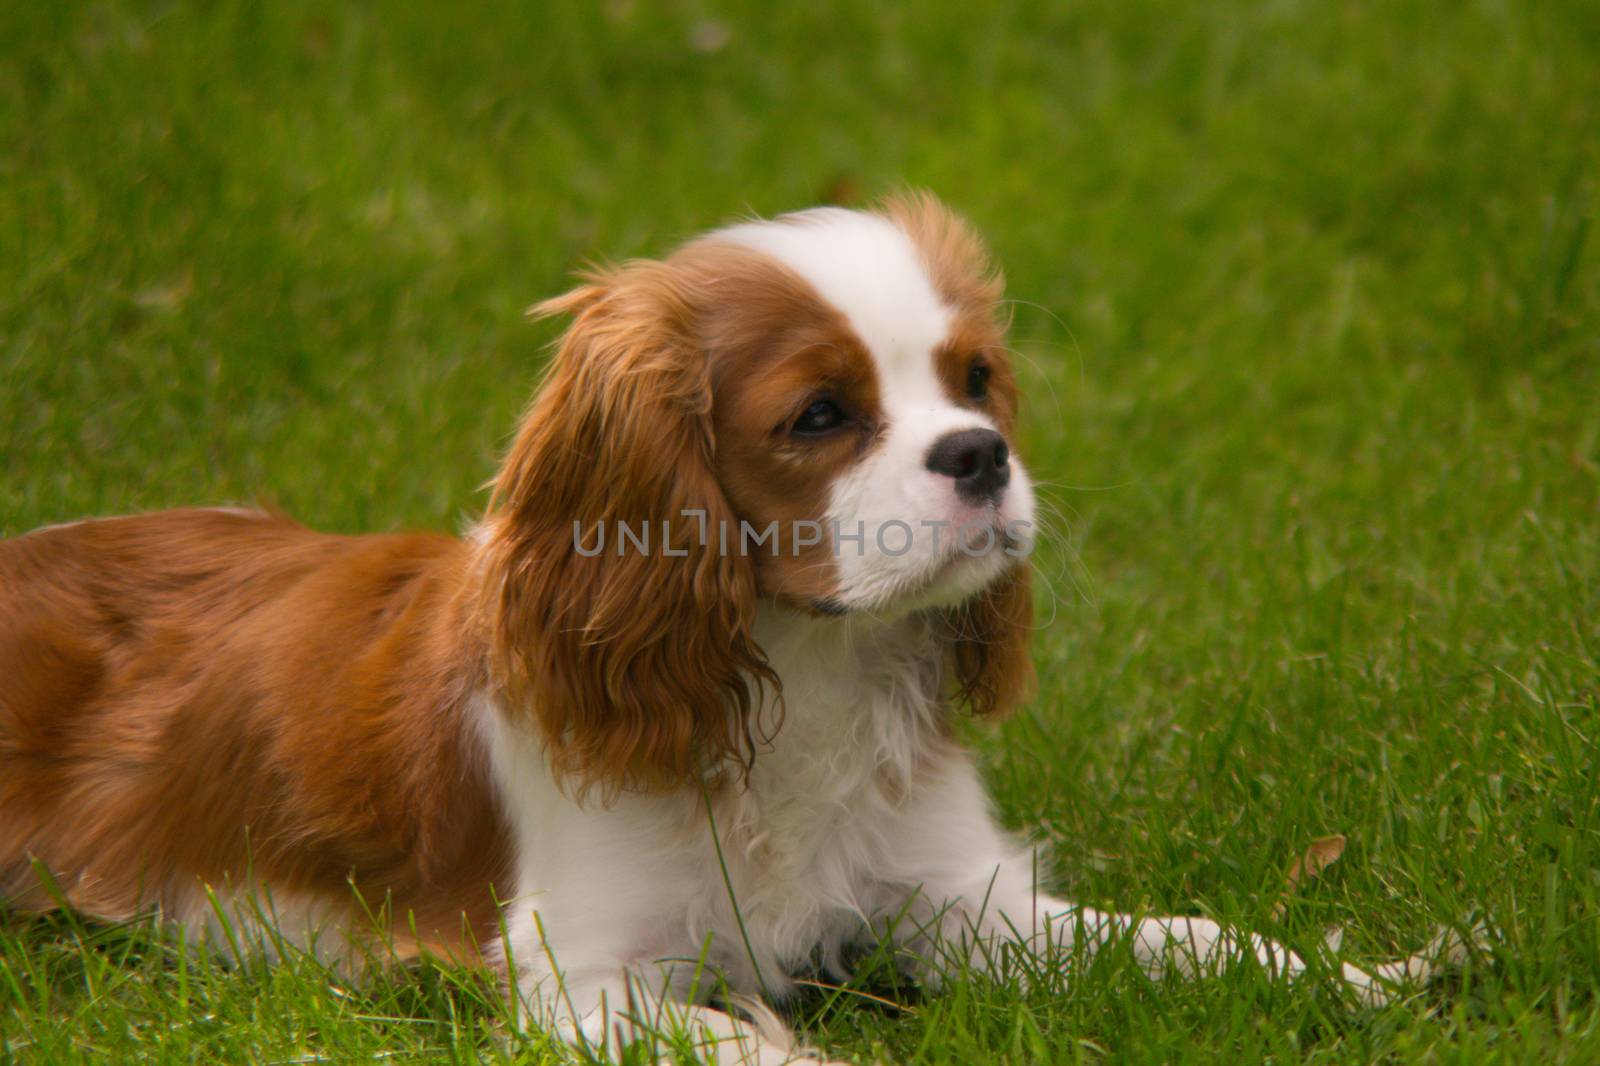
(632, 761)
(179, 709)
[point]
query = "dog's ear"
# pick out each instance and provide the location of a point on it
(614, 621)
(988, 644)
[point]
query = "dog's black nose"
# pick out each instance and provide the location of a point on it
(979, 461)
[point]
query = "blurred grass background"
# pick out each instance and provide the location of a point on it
(1308, 304)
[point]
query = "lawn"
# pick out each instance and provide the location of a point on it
(1309, 302)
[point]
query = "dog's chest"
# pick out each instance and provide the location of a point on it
(802, 845)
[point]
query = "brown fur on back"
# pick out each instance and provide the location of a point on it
(307, 692)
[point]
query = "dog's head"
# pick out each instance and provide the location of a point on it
(817, 411)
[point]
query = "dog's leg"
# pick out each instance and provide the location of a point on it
(968, 892)
(607, 1011)
(757, 1037)
(607, 997)
(1187, 946)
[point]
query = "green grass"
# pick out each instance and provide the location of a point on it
(1311, 308)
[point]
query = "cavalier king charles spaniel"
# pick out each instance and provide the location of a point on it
(682, 703)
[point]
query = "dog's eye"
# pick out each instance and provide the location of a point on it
(821, 417)
(978, 381)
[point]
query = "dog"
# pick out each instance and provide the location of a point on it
(681, 702)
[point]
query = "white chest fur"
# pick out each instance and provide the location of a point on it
(800, 867)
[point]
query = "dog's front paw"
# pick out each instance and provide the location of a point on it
(762, 1054)
(1448, 950)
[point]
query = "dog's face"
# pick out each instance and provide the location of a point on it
(865, 406)
(816, 411)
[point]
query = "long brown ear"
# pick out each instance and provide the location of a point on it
(635, 661)
(989, 644)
